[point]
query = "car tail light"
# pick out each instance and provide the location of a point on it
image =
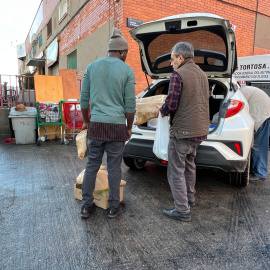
(164, 161)
(237, 147)
(235, 107)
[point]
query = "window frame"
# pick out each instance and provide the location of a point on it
(40, 40)
(62, 10)
(49, 28)
(34, 50)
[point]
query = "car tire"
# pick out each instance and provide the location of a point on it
(134, 163)
(241, 179)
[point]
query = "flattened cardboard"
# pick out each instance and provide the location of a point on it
(48, 88)
(70, 83)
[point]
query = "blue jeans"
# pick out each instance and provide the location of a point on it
(95, 153)
(259, 151)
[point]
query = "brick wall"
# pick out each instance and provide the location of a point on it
(259, 51)
(98, 12)
(264, 7)
(149, 10)
(93, 16)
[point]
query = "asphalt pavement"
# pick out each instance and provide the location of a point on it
(41, 227)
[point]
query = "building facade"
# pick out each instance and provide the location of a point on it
(70, 34)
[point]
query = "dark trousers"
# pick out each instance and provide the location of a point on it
(95, 152)
(182, 172)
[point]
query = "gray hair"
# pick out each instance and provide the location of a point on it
(183, 48)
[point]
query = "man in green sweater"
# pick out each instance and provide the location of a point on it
(109, 84)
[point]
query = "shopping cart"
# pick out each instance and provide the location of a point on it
(49, 114)
(73, 118)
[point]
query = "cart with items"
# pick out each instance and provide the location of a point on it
(49, 114)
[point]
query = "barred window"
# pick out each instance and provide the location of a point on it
(62, 9)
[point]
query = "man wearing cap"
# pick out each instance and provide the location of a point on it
(109, 84)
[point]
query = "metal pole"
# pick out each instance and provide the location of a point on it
(23, 89)
(1, 92)
(10, 92)
(16, 77)
(28, 90)
(254, 35)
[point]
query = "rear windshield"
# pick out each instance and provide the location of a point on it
(210, 50)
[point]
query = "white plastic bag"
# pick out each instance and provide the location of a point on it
(162, 137)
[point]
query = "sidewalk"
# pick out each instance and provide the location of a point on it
(41, 228)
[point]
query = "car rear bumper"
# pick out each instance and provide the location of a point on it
(207, 156)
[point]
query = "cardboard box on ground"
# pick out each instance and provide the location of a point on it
(101, 192)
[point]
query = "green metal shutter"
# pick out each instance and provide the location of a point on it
(72, 60)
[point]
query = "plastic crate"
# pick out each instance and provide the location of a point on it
(73, 118)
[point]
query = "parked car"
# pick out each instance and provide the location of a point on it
(230, 125)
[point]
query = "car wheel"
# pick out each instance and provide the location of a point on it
(241, 179)
(134, 163)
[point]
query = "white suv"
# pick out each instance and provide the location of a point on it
(230, 125)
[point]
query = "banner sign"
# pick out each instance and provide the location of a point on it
(52, 53)
(253, 68)
(21, 52)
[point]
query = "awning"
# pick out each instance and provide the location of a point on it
(52, 53)
(21, 54)
(36, 62)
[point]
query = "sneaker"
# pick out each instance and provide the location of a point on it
(254, 178)
(86, 211)
(114, 212)
(172, 213)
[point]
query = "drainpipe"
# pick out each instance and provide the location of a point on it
(254, 35)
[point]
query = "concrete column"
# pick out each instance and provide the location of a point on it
(5, 128)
